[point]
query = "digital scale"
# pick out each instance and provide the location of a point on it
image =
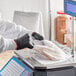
(65, 68)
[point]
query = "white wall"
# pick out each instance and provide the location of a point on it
(7, 8)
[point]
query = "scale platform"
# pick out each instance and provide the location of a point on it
(35, 63)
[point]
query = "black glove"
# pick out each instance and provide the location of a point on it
(26, 41)
(37, 36)
(23, 42)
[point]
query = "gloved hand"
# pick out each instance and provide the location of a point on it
(26, 41)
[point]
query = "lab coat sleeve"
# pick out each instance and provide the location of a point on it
(22, 30)
(6, 44)
(11, 30)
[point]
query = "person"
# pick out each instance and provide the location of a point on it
(17, 37)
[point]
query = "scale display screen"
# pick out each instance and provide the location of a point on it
(70, 7)
(14, 67)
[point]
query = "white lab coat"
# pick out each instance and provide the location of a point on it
(8, 32)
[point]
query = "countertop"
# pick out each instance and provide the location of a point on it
(5, 56)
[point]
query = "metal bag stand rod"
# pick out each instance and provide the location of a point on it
(72, 37)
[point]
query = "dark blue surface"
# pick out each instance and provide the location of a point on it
(70, 7)
(0, 75)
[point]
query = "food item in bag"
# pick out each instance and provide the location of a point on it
(50, 52)
(60, 29)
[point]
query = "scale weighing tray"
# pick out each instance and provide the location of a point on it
(33, 63)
